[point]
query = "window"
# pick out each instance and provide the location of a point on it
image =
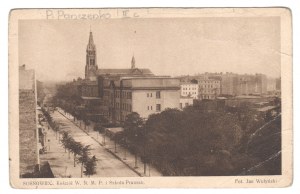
(180, 105)
(148, 107)
(158, 107)
(158, 94)
(151, 107)
(150, 94)
(186, 104)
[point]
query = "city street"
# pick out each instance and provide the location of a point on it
(107, 165)
(118, 151)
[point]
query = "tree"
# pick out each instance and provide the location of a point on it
(194, 81)
(90, 166)
(133, 126)
(76, 149)
(84, 156)
(191, 142)
(66, 139)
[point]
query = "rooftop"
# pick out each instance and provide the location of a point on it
(135, 71)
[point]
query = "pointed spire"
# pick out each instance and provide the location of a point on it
(91, 40)
(133, 62)
(91, 45)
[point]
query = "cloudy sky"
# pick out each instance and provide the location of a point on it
(181, 46)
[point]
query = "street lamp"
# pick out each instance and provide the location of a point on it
(135, 154)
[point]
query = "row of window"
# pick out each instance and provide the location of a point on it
(189, 88)
(120, 117)
(123, 94)
(158, 107)
(208, 86)
(209, 82)
(209, 91)
(189, 93)
(124, 106)
(208, 97)
(157, 94)
(185, 104)
(92, 61)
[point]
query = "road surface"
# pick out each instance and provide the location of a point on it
(107, 166)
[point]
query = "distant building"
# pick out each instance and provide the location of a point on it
(229, 84)
(185, 101)
(189, 90)
(209, 88)
(252, 84)
(144, 95)
(240, 84)
(92, 71)
(115, 93)
(91, 88)
(28, 134)
(271, 84)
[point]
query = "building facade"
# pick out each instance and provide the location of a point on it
(28, 134)
(185, 102)
(251, 84)
(189, 90)
(144, 95)
(115, 93)
(208, 88)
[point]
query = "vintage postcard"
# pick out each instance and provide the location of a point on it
(150, 98)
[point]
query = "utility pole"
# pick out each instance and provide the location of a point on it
(125, 147)
(104, 137)
(135, 154)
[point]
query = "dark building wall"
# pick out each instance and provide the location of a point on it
(27, 124)
(90, 90)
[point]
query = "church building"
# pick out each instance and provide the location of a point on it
(115, 93)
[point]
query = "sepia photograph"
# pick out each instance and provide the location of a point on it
(110, 98)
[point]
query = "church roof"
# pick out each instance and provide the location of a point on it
(135, 71)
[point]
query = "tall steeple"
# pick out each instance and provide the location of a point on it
(91, 56)
(91, 44)
(133, 62)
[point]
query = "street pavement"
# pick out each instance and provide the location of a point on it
(120, 152)
(62, 166)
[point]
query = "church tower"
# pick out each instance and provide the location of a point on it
(91, 57)
(133, 62)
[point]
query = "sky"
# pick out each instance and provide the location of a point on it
(56, 49)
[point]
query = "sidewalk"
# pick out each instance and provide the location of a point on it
(121, 153)
(62, 166)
